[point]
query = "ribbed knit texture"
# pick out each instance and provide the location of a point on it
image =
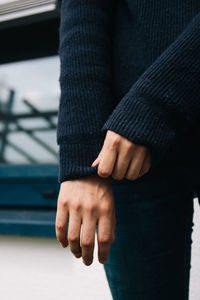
(131, 67)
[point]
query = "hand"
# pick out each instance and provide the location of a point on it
(88, 201)
(120, 158)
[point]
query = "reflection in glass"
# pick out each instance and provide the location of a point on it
(29, 100)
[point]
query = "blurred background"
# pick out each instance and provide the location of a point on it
(33, 264)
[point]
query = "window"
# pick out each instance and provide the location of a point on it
(29, 98)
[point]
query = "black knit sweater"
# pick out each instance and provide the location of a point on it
(132, 67)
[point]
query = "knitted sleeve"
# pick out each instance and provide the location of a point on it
(165, 100)
(85, 34)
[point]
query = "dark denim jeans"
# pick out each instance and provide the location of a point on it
(150, 257)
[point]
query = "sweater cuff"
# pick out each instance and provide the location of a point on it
(75, 160)
(138, 119)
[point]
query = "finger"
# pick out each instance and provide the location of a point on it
(74, 230)
(61, 224)
(104, 237)
(95, 162)
(146, 165)
(88, 238)
(122, 162)
(135, 165)
(107, 162)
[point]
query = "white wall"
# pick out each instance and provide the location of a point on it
(195, 271)
(38, 268)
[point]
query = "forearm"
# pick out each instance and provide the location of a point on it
(85, 82)
(164, 102)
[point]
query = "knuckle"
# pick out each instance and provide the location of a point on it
(90, 208)
(129, 147)
(106, 209)
(76, 205)
(63, 202)
(59, 227)
(114, 141)
(105, 239)
(103, 172)
(73, 238)
(87, 243)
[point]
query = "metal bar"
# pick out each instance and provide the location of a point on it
(38, 140)
(4, 136)
(22, 152)
(18, 130)
(13, 117)
(34, 109)
(8, 117)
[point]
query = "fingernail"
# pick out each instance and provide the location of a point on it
(87, 263)
(78, 255)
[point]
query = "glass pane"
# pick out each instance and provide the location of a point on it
(29, 101)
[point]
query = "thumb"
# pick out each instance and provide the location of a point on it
(96, 162)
